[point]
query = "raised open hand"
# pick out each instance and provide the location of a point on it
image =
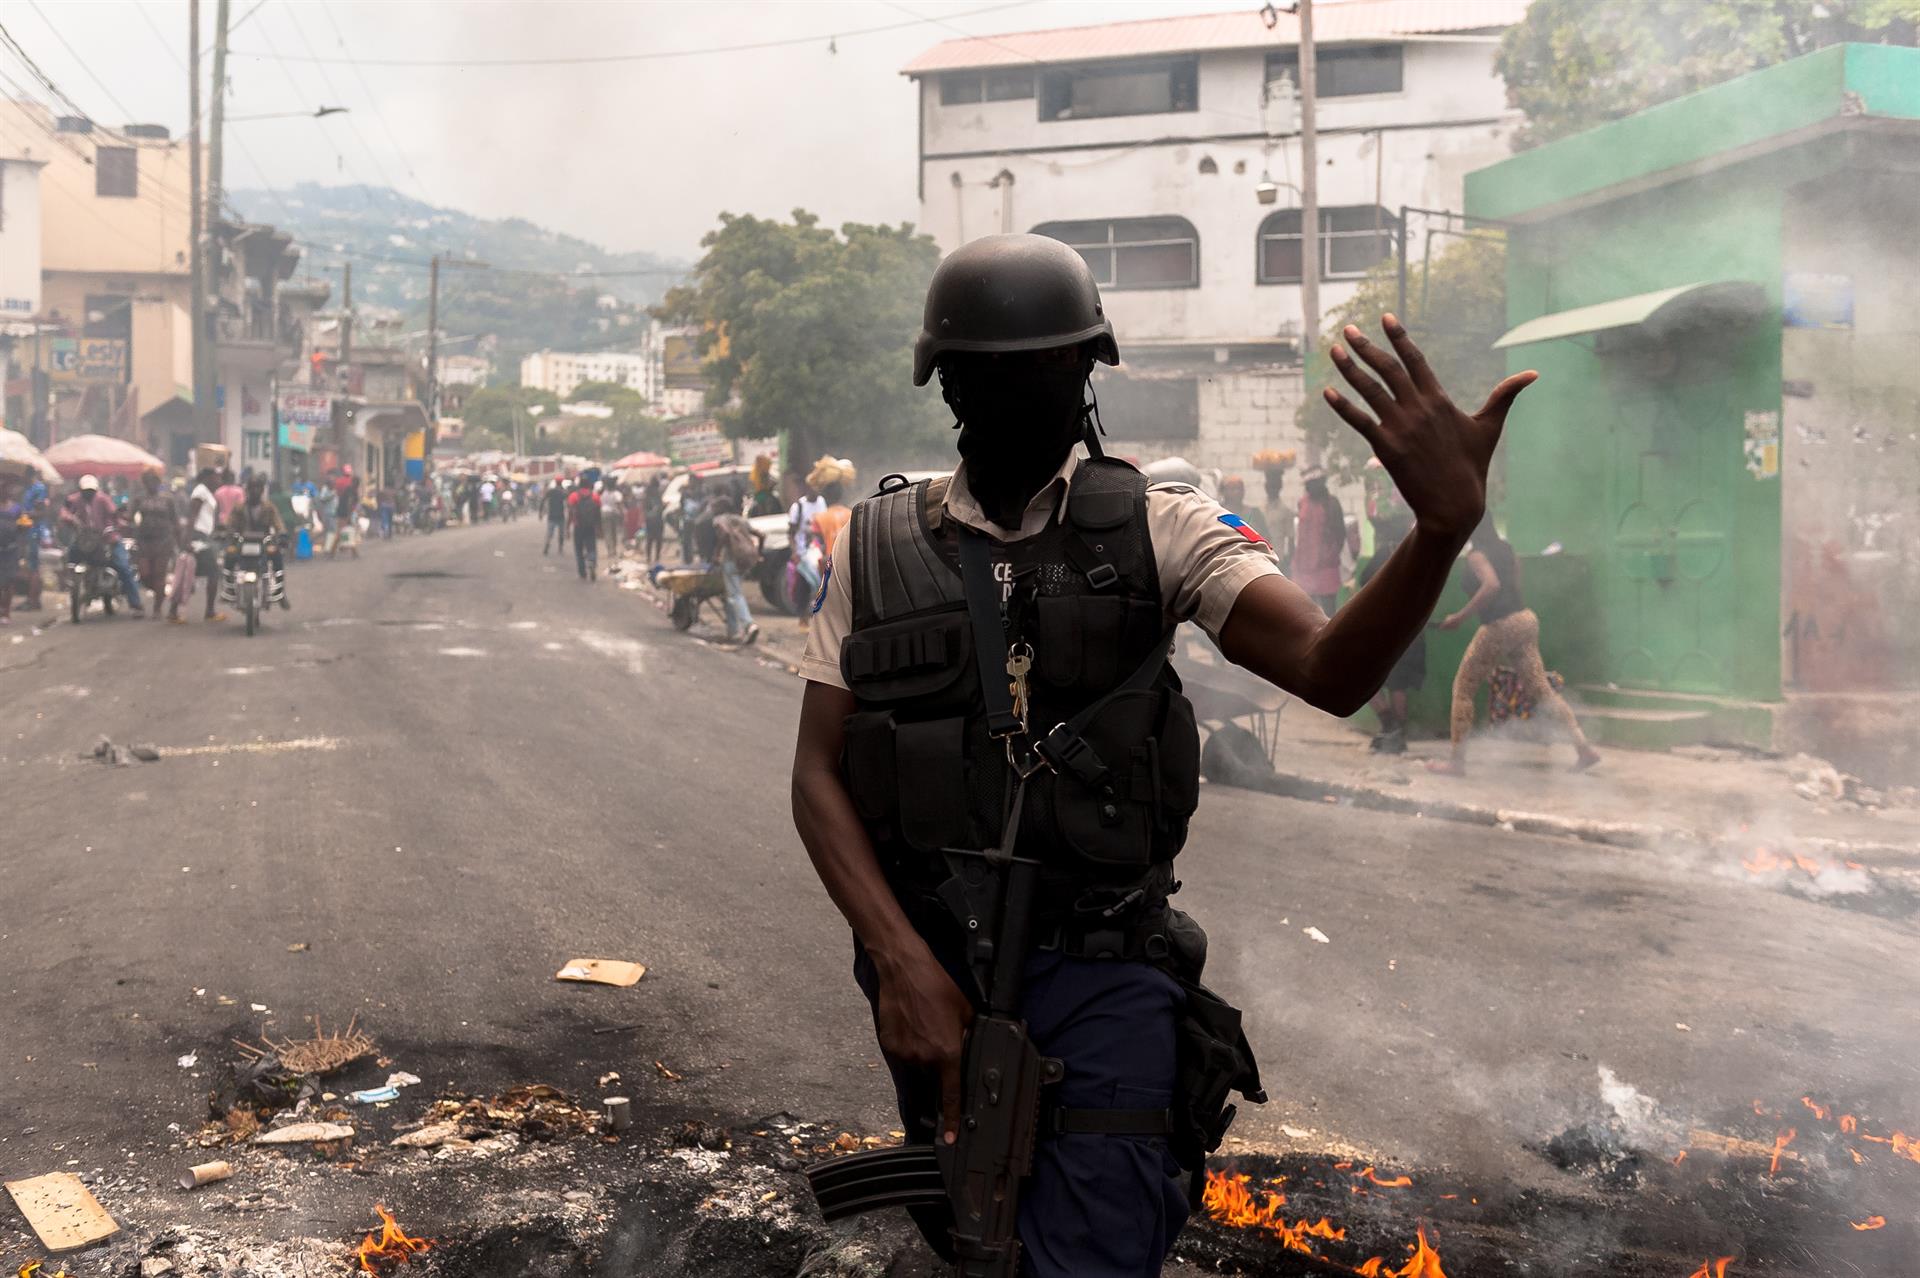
(1437, 454)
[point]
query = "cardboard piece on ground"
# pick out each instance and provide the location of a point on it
(62, 1211)
(304, 1133)
(601, 971)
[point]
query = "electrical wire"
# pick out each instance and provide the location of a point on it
(656, 56)
(379, 115)
(125, 114)
(327, 80)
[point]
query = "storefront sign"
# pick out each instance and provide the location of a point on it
(303, 414)
(694, 442)
(1762, 444)
(88, 359)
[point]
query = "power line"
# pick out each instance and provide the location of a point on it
(327, 80)
(339, 158)
(657, 56)
(125, 115)
(373, 102)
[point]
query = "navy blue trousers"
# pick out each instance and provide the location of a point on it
(1096, 1206)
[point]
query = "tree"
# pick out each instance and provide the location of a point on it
(601, 393)
(490, 414)
(1456, 309)
(813, 332)
(1572, 64)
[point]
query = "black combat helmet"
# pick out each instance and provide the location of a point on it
(1011, 293)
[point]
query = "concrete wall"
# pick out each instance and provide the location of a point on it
(162, 337)
(1151, 165)
(145, 234)
(19, 239)
(1850, 517)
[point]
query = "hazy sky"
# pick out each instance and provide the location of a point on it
(635, 155)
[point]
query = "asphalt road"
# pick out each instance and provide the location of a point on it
(454, 766)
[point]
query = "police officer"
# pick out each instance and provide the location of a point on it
(897, 758)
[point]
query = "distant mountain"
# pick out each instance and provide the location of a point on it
(389, 237)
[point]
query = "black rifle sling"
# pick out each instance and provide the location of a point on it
(989, 637)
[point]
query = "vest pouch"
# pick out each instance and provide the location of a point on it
(1215, 1060)
(1178, 748)
(1103, 793)
(1091, 642)
(907, 660)
(931, 758)
(867, 759)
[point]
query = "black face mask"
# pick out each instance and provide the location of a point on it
(1019, 418)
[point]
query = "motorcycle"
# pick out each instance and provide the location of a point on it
(249, 575)
(89, 574)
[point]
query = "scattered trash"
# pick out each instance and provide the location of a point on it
(260, 1007)
(298, 947)
(189, 1060)
(402, 1079)
(305, 1134)
(205, 1174)
(322, 1054)
(427, 1137)
(1683, 1027)
(63, 1212)
(375, 1095)
(612, 1076)
(391, 1244)
(144, 753)
(119, 756)
(601, 971)
(618, 1111)
(617, 1029)
(1314, 933)
(535, 1111)
(660, 1068)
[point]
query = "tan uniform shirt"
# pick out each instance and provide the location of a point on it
(1204, 557)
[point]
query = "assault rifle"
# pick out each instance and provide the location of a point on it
(1001, 1074)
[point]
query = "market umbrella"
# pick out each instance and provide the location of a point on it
(638, 461)
(101, 455)
(15, 448)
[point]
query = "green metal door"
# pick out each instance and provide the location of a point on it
(1670, 499)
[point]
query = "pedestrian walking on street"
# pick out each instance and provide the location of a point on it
(201, 560)
(583, 513)
(156, 536)
(737, 548)
(693, 504)
(554, 501)
(1509, 635)
(988, 687)
(613, 521)
(346, 514)
(16, 529)
(655, 515)
(1320, 539)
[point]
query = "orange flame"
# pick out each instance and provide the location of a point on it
(1372, 1268)
(1820, 1111)
(1849, 1124)
(392, 1244)
(1228, 1201)
(1712, 1268)
(1780, 1143)
(1871, 1222)
(1425, 1262)
(1398, 1182)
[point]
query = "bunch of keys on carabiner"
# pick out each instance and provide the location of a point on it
(1019, 662)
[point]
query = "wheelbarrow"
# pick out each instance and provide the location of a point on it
(1241, 713)
(692, 589)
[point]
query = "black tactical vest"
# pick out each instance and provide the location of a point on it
(923, 771)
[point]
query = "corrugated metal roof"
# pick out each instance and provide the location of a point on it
(1197, 33)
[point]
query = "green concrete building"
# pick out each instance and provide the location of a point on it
(1722, 295)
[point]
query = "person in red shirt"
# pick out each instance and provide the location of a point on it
(583, 516)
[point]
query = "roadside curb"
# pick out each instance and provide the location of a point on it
(1621, 834)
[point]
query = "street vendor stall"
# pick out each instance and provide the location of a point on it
(103, 457)
(14, 447)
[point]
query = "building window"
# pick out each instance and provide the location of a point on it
(116, 172)
(1343, 71)
(963, 87)
(1134, 252)
(1351, 240)
(1148, 408)
(1120, 88)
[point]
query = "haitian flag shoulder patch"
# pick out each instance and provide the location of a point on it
(1241, 526)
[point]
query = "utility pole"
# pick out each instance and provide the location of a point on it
(218, 115)
(346, 323)
(433, 355)
(1309, 194)
(202, 390)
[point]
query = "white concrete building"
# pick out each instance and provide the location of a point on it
(19, 236)
(1146, 145)
(562, 371)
